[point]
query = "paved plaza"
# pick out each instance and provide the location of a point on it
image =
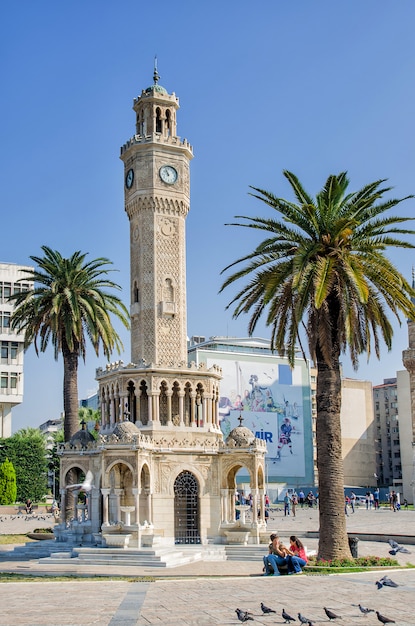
(209, 592)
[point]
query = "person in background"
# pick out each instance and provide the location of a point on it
(376, 498)
(301, 498)
(29, 506)
(286, 504)
(294, 502)
(352, 501)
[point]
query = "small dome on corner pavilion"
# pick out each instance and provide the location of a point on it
(83, 436)
(241, 436)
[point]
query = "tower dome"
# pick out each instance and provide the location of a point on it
(156, 88)
(241, 436)
(82, 436)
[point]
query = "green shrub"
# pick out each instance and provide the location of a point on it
(8, 488)
(361, 561)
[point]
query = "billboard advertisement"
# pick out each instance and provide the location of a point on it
(269, 396)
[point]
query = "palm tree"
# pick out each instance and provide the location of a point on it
(321, 273)
(68, 304)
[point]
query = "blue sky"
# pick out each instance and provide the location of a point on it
(313, 87)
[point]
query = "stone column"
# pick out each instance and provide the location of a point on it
(156, 407)
(169, 416)
(105, 496)
(63, 506)
(136, 494)
(137, 410)
(112, 415)
(181, 407)
(118, 493)
(216, 410)
(150, 408)
(223, 502)
(205, 411)
(149, 495)
(192, 408)
(255, 507)
(262, 505)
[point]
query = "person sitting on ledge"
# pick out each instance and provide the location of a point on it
(275, 558)
(296, 557)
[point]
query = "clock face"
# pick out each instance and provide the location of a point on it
(168, 174)
(129, 179)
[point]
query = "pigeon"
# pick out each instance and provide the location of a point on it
(85, 486)
(330, 614)
(243, 615)
(287, 617)
(266, 609)
(397, 548)
(305, 620)
(385, 582)
(364, 610)
(384, 620)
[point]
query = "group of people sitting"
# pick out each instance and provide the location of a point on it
(279, 557)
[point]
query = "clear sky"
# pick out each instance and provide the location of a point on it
(314, 87)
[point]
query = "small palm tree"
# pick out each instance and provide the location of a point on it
(68, 304)
(322, 269)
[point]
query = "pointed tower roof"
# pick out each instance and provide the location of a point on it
(155, 87)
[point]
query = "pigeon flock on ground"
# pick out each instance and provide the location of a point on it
(245, 616)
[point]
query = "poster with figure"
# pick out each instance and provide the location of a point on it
(269, 398)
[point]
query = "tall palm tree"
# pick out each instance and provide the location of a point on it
(321, 273)
(68, 304)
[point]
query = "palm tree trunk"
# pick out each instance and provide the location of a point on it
(333, 539)
(70, 393)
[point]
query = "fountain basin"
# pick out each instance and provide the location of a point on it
(117, 540)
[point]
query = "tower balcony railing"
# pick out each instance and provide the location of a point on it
(156, 138)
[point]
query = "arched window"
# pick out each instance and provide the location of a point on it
(186, 509)
(168, 122)
(159, 126)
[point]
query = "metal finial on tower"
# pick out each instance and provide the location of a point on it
(156, 74)
(240, 419)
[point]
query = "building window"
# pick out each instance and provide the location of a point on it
(13, 380)
(4, 351)
(3, 380)
(5, 319)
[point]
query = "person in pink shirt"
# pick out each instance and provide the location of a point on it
(296, 556)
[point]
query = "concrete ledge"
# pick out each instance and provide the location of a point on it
(379, 537)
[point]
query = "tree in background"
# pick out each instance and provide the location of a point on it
(26, 449)
(87, 414)
(322, 268)
(8, 489)
(68, 304)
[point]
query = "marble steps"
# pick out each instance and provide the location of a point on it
(246, 553)
(162, 557)
(34, 550)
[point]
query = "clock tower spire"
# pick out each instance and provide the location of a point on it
(157, 200)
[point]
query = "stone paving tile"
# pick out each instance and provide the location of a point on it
(80, 603)
(199, 600)
(202, 602)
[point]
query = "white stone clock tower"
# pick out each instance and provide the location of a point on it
(160, 459)
(157, 200)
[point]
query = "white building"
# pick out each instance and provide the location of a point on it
(12, 347)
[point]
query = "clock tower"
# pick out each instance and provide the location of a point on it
(157, 200)
(161, 460)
